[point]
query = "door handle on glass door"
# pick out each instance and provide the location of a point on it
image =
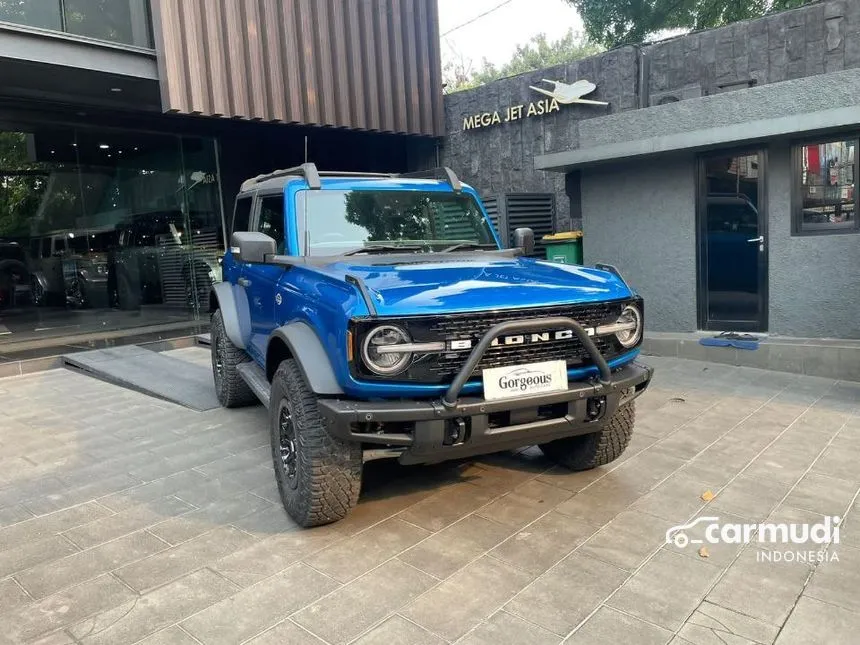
(244, 282)
(757, 240)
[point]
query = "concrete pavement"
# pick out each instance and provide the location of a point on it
(126, 519)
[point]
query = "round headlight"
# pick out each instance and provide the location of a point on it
(378, 353)
(632, 317)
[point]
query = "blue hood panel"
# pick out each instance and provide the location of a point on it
(479, 283)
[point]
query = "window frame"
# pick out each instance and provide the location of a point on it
(797, 225)
(257, 210)
(250, 199)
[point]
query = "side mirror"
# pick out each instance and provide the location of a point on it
(252, 247)
(524, 238)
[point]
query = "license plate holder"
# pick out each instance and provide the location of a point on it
(514, 381)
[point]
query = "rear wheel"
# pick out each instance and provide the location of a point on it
(230, 387)
(319, 477)
(598, 448)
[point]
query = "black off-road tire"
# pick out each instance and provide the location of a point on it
(231, 389)
(598, 448)
(326, 472)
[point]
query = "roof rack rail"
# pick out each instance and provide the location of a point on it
(307, 170)
(336, 173)
(443, 172)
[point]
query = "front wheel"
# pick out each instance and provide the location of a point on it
(319, 477)
(598, 448)
(230, 387)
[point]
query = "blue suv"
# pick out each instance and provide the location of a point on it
(379, 316)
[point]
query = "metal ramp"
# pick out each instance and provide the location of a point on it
(143, 370)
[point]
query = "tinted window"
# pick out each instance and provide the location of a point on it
(46, 247)
(241, 215)
(271, 220)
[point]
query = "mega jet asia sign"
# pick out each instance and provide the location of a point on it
(560, 94)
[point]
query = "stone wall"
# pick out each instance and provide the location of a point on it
(816, 39)
(500, 158)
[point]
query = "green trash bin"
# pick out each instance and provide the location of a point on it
(564, 247)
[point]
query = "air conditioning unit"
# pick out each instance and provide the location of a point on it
(510, 211)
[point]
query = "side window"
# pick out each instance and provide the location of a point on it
(46, 247)
(271, 220)
(825, 187)
(241, 215)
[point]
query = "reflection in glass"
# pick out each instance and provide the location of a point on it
(45, 14)
(732, 226)
(119, 21)
(338, 221)
(105, 230)
(828, 185)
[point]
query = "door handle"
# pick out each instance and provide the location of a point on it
(757, 240)
(243, 282)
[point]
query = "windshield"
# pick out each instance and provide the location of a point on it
(332, 222)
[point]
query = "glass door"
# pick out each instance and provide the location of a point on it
(732, 225)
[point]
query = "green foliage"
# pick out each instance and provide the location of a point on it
(537, 53)
(21, 185)
(619, 22)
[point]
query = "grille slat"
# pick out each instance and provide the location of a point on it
(474, 325)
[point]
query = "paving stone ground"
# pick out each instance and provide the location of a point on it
(126, 519)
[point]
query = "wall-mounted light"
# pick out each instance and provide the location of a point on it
(104, 146)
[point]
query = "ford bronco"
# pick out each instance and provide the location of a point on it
(379, 316)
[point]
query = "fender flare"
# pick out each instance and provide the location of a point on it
(233, 303)
(310, 355)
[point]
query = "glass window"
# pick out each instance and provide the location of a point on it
(338, 221)
(271, 221)
(111, 222)
(119, 21)
(241, 215)
(45, 14)
(827, 200)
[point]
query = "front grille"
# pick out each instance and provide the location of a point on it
(474, 325)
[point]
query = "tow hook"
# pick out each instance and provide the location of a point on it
(455, 432)
(595, 407)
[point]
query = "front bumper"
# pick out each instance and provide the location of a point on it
(430, 431)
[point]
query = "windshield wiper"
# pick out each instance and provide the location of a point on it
(469, 245)
(385, 248)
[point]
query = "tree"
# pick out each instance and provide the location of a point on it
(612, 23)
(537, 53)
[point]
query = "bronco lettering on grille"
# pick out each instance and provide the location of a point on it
(515, 339)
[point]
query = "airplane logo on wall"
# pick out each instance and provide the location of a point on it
(567, 93)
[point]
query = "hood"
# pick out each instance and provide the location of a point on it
(478, 283)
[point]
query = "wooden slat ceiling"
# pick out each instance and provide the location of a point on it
(360, 64)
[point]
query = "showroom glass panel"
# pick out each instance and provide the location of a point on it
(104, 229)
(828, 196)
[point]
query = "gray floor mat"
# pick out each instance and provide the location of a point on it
(165, 377)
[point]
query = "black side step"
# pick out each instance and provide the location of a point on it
(255, 377)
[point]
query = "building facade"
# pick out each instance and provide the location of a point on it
(718, 170)
(126, 128)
